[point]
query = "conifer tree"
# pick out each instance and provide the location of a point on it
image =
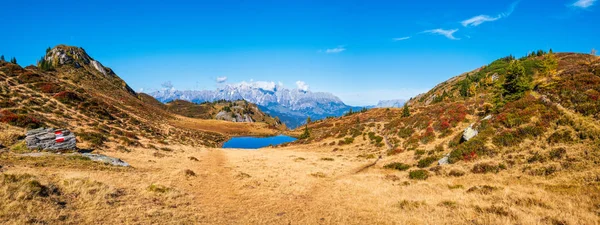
(2, 58)
(13, 60)
(517, 81)
(405, 111)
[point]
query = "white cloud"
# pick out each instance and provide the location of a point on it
(302, 85)
(335, 50)
(478, 20)
(221, 79)
(447, 33)
(583, 3)
(401, 39)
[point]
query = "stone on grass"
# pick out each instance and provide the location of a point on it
(50, 139)
(469, 133)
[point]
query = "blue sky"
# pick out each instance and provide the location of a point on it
(362, 51)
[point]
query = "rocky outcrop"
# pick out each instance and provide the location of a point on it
(469, 133)
(50, 139)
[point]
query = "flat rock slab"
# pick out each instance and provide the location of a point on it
(105, 159)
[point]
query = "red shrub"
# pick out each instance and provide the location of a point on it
(67, 97)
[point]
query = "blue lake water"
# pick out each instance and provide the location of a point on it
(256, 142)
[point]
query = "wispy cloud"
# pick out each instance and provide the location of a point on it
(335, 50)
(221, 79)
(401, 38)
(447, 33)
(583, 3)
(302, 85)
(478, 20)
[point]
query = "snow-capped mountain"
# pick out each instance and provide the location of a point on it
(292, 106)
(396, 103)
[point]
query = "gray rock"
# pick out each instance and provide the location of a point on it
(45, 139)
(487, 117)
(469, 133)
(106, 159)
(444, 160)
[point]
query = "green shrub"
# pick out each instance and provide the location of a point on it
(562, 136)
(506, 138)
(426, 161)
(405, 132)
(418, 174)
(470, 150)
(557, 153)
(158, 188)
(96, 139)
(397, 166)
(20, 147)
(536, 157)
(456, 173)
(485, 168)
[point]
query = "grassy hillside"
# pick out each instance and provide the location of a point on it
(235, 111)
(537, 118)
(69, 89)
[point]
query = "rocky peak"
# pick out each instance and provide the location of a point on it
(75, 56)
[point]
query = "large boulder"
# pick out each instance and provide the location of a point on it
(50, 139)
(469, 133)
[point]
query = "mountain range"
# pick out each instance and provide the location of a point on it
(291, 106)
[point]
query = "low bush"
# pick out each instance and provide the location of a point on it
(557, 153)
(418, 174)
(158, 188)
(95, 139)
(397, 166)
(327, 159)
(562, 136)
(470, 150)
(67, 97)
(482, 189)
(485, 168)
(507, 138)
(456, 173)
(405, 132)
(425, 162)
(19, 120)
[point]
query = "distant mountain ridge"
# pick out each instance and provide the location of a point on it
(291, 106)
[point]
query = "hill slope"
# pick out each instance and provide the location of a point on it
(531, 122)
(69, 89)
(234, 111)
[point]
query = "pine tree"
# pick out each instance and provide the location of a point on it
(13, 60)
(2, 58)
(517, 81)
(405, 111)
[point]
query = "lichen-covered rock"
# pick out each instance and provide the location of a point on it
(47, 139)
(469, 133)
(445, 160)
(106, 159)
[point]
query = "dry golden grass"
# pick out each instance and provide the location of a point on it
(285, 185)
(224, 127)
